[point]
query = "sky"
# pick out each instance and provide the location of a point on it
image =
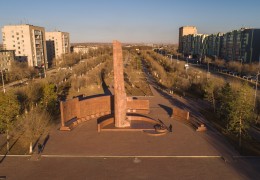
(131, 21)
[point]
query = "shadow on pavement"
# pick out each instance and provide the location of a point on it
(167, 109)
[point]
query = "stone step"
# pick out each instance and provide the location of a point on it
(154, 133)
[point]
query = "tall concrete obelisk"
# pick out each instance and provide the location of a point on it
(119, 87)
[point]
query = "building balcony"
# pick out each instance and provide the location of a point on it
(38, 33)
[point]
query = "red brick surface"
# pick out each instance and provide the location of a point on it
(87, 109)
(95, 106)
(138, 104)
(84, 110)
(180, 113)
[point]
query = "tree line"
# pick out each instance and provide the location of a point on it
(232, 103)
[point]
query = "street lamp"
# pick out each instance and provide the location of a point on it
(256, 83)
(207, 62)
(3, 80)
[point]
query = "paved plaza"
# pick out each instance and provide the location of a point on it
(83, 153)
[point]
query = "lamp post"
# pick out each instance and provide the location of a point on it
(207, 62)
(200, 58)
(3, 82)
(256, 83)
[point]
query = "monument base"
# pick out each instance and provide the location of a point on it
(124, 124)
(136, 123)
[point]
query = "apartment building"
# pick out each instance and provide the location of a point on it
(199, 45)
(6, 58)
(83, 49)
(238, 45)
(194, 44)
(184, 31)
(57, 43)
(212, 45)
(28, 42)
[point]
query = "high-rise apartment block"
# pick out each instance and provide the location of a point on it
(183, 31)
(239, 45)
(58, 43)
(28, 42)
(6, 58)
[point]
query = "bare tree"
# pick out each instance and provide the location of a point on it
(219, 62)
(32, 125)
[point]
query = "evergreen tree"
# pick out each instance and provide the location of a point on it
(210, 93)
(225, 103)
(241, 112)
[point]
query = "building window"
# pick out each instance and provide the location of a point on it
(13, 45)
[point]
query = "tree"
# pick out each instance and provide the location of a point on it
(58, 79)
(78, 83)
(219, 62)
(209, 93)
(20, 70)
(225, 99)
(9, 109)
(49, 100)
(241, 112)
(34, 93)
(33, 124)
(212, 88)
(235, 66)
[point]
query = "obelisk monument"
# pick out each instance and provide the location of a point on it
(119, 87)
